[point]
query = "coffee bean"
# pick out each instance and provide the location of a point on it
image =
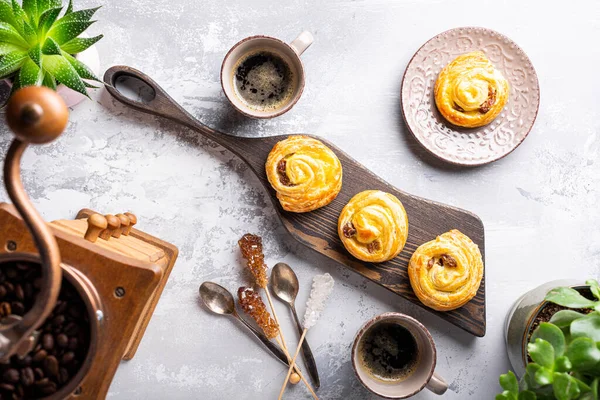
(17, 308)
(62, 340)
(48, 341)
(19, 292)
(61, 307)
(11, 375)
(28, 290)
(11, 272)
(51, 366)
(2, 291)
(40, 356)
(71, 329)
(75, 312)
(9, 287)
(39, 373)
(50, 388)
(68, 357)
(42, 382)
(5, 309)
(27, 376)
(7, 387)
(58, 321)
(37, 283)
(24, 362)
(19, 392)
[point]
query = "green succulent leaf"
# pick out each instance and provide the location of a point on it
(8, 34)
(64, 72)
(541, 352)
(78, 45)
(49, 81)
(594, 287)
(35, 53)
(69, 8)
(18, 12)
(72, 25)
(527, 395)
(565, 387)
(6, 48)
(50, 47)
(568, 297)
(551, 334)
(31, 8)
(11, 62)
(583, 353)
(509, 382)
(45, 5)
(588, 326)
(48, 18)
(29, 33)
(82, 69)
(6, 13)
(543, 376)
(529, 377)
(563, 318)
(562, 364)
(30, 74)
(88, 85)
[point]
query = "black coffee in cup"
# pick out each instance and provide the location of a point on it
(388, 352)
(264, 81)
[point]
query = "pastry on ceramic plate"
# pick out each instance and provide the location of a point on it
(445, 273)
(373, 226)
(470, 92)
(304, 172)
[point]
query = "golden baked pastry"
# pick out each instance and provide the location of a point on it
(373, 226)
(470, 92)
(445, 273)
(304, 172)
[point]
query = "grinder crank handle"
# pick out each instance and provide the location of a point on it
(36, 115)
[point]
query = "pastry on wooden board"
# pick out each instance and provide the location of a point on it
(304, 172)
(445, 273)
(373, 226)
(470, 92)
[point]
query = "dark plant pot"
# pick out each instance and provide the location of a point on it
(521, 317)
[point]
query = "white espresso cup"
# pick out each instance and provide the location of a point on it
(422, 374)
(288, 53)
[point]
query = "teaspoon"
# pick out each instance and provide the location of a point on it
(220, 301)
(284, 283)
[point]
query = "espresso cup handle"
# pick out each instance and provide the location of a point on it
(302, 42)
(437, 384)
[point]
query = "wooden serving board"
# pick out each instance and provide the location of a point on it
(318, 229)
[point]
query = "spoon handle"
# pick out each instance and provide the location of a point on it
(277, 352)
(307, 354)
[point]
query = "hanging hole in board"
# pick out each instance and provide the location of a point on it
(78, 391)
(135, 89)
(119, 292)
(11, 245)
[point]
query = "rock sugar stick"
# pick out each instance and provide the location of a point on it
(321, 289)
(252, 250)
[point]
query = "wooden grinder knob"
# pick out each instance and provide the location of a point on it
(96, 224)
(114, 224)
(132, 222)
(36, 114)
(124, 225)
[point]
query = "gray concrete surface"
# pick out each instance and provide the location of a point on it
(539, 205)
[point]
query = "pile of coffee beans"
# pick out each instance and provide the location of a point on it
(63, 341)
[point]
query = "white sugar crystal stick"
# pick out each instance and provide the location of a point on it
(321, 289)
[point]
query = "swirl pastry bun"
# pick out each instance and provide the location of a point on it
(445, 273)
(470, 92)
(373, 226)
(304, 172)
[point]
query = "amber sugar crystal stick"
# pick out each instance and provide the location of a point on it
(321, 289)
(252, 250)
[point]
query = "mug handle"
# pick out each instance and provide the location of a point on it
(302, 42)
(437, 384)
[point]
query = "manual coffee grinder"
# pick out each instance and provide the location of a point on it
(75, 295)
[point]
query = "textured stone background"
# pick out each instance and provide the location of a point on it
(539, 205)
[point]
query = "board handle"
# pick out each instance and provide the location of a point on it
(159, 103)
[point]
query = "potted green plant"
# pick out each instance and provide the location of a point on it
(564, 353)
(39, 46)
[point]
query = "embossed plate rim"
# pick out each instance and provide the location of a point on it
(495, 156)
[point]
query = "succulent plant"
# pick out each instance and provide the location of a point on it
(565, 352)
(37, 45)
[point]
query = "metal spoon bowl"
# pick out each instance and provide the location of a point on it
(220, 301)
(285, 286)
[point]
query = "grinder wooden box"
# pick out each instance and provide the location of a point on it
(129, 272)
